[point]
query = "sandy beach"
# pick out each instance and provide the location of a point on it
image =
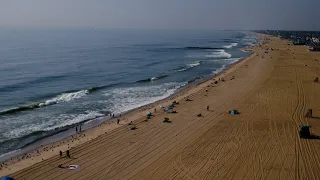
(272, 90)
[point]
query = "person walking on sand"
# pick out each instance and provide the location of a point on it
(155, 109)
(68, 154)
(60, 154)
(208, 108)
(118, 121)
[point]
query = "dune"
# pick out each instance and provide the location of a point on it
(272, 92)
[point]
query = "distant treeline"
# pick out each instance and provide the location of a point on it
(309, 38)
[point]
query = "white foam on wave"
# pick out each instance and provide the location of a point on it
(8, 153)
(219, 54)
(125, 99)
(217, 71)
(194, 64)
(154, 78)
(64, 98)
(181, 70)
(230, 61)
(53, 123)
(70, 119)
(231, 45)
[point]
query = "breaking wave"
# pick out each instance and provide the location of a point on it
(197, 48)
(33, 133)
(127, 98)
(231, 61)
(221, 54)
(194, 64)
(231, 45)
(181, 69)
(64, 97)
(152, 79)
(188, 66)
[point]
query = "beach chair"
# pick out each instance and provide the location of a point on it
(305, 132)
(171, 112)
(166, 120)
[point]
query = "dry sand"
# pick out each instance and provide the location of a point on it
(272, 92)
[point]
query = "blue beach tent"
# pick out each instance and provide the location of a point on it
(234, 111)
(7, 178)
(169, 108)
(149, 113)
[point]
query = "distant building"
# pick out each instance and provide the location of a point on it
(299, 42)
(315, 40)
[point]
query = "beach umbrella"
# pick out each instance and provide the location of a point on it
(7, 178)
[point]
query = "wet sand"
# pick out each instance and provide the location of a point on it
(272, 89)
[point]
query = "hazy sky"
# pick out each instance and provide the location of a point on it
(176, 14)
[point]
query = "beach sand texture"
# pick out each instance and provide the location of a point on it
(272, 91)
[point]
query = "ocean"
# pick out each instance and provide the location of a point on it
(52, 80)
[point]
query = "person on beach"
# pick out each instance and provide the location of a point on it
(155, 109)
(60, 154)
(207, 108)
(80, 129)
(76, 129)
(112, 115)
(118, 121)
(68, 154)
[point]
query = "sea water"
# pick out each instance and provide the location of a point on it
(51, 80)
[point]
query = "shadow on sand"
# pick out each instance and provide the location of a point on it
(311, 136)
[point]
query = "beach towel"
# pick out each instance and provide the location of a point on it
(73, 167)
(234, 112)
(7, 178)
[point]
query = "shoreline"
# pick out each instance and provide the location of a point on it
(35, 152)
(272, 91)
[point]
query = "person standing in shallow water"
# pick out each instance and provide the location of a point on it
(76, 129)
